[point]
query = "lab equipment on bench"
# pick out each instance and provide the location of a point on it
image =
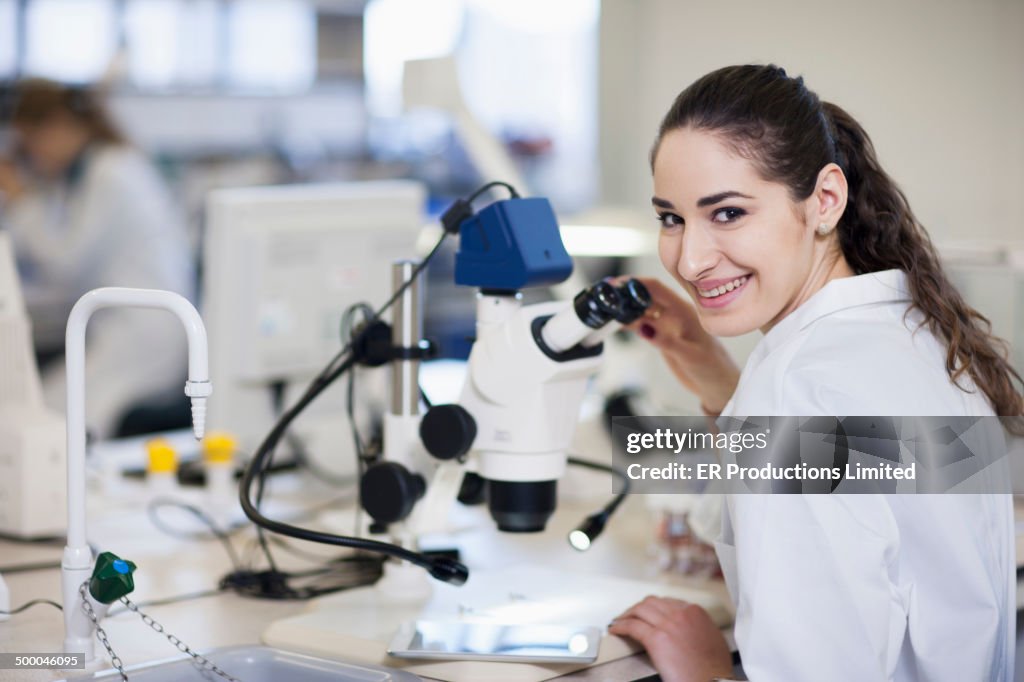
(508, 642)
(31, 434)
(280, 265)
(161, 467)
(528, 372)
(218, 465)
(77, 564)
(357, 625)
(529, 365)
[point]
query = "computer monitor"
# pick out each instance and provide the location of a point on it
(281, 265)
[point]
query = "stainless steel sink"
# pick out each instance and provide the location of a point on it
(254, 664)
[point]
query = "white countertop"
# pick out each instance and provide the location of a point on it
(170, 566)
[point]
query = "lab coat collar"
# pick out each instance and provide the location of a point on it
(886, 286)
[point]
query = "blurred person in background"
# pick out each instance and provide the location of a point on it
(85, 209)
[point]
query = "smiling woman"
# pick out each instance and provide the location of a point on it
(775, 215)
(724, 246)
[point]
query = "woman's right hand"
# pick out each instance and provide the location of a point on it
(698, 359)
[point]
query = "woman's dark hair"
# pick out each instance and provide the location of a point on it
(37, 100)
(789, 135)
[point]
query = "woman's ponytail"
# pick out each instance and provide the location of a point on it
(878, 231)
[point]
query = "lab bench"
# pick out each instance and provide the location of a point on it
(171, 566)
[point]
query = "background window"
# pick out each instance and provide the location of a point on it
(532, 83)
(172, 43)
(397, 31)
(70, 40)
(271, 45)
(8, 42)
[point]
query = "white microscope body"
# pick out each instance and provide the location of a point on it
(527, 376)
(517, 414)
(525, 403)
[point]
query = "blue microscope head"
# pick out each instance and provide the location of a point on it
(510, 245)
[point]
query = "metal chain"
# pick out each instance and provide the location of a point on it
(200, 661)
(100, 632)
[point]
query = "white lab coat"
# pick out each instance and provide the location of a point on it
(112, 224)
(861, 588)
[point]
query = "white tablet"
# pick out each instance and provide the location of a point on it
(459, 640)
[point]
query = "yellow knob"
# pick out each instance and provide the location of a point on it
(162, 457)
(219, 448)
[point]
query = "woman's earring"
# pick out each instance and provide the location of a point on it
(824, 229)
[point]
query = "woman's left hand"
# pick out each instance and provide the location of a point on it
(683, 642)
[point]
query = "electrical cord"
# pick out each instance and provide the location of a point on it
(299, 452)
(495, 183)
(169, 600)
(30, 604)
(593, 525)
(153, 508)
(451, 219)
(58, 540)
(26, 568)
(442, 568)
(296, 552)
(344, 573)
(272, 583)
(607, 468)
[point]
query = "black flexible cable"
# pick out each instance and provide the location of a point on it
(30, 604)
(341, 354)
(304, 533)
(609, 508)
(441, 568)
(496, 183)
(349, 332)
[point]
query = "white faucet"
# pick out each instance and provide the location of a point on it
(76, 565)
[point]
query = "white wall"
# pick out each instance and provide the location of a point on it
(938, 84)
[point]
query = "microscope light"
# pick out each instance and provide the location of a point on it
(588, 531)
(579, 540)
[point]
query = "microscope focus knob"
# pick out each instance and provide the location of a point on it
(389, 491)
(447, 431)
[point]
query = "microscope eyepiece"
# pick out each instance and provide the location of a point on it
(635, 301)
(597, 305)
(591, 310)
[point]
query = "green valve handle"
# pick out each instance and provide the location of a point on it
(111, 578)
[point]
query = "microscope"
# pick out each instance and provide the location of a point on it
(528, 371)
